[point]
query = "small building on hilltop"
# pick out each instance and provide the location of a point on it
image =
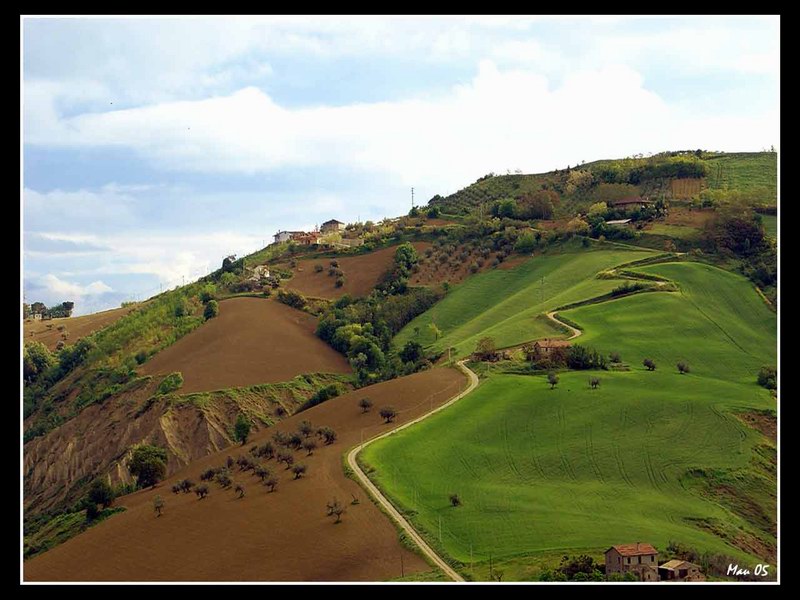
(306, 239)
(544, 348)
(332, 226)
(629, 203)
(639, 558)
(284, 236)
(259, 272)
(680, 570)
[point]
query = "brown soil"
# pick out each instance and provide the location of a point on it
(681, 215)
(77, 327)
(455, 269)
(766, 423)
(280, 536)
(361, 273)
(251, 341)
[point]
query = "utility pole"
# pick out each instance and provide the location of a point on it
(412, 197)
(402, 568)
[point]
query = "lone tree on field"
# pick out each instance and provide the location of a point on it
(305, 428)
(101, 493)
(615, 357)
(262, 472)
(455, 500)
(309, 446)
(148, 464)
(365, 404)
(299, 471)
(328, 434)
(242, 429)
(295, 441)
(239, 490)
(335, 508)
(388, 414)
(552, 379)
(287, 458)
(649, 363)
(683, 367)
(271, 482)
(224, 480)
(229, 462)
(158, 505)
(201, 491)
(594, 382)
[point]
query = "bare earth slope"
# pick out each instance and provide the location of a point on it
(251, 341)
(47, 331)
(280, 536)
(361, 273)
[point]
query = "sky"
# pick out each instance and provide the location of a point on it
(154, 147)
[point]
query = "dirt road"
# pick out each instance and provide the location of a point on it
(390, 509)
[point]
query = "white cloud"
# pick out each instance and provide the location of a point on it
(108, 207)
(59, 287)
(502, 119)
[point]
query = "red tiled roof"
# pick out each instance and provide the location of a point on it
(636, 549)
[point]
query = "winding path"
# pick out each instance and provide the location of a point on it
(575, 331)
(384, 502)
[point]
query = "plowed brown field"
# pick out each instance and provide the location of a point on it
(47, 331)
(361, 273)
(280, 536)
(251, 341)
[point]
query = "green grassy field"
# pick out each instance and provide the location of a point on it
(674, 231)
(505, 304)
(771, 225)
(544, 472)
(745, 171)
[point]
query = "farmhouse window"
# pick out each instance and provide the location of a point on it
(640, 560)
(629, 560)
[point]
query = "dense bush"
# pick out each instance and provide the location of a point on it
(768, 378)
(211, 310)
(292, 298)
(581, 358)
(148, 464)
(171, 383)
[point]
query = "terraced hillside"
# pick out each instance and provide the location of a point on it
(648, 456)
(508, 305)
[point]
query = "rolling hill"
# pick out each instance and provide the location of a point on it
(650, 456)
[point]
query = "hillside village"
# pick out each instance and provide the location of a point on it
(580, 309)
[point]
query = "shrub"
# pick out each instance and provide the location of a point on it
(224, 480)
(683, 367)
(581, 358)
(594, 382)
(211, 310)
(37, 359)
(171, 383)
(201, 491)
(229, 462)
(388, 414)
(185, 485)
(768, 377)
(239, 489)
(299, 471)
(411, 352)
(318, 268)
(295, 441)
(140, 357)
(365, 404)
(305, 428)
(615, 357)
(650, 364)
(627, 288)
(101, 493)
(148, 464)
(208, 475)
(176, 489)
(271, 482)
(455, 500)
(335, 509)
(339, 281)
(292, 298)
(158, 505)
(328, 434)
(286, 458)
(334, 263)
(262, 472)
(552, 379)
(309, 446)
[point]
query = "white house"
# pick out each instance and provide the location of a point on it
(284, 236)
